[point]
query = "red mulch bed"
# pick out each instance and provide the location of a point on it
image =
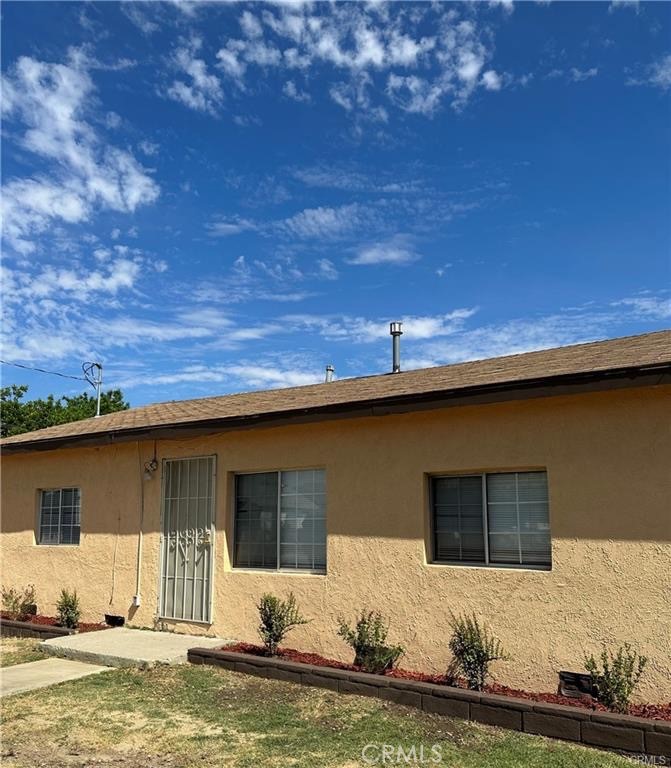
(52, 621)
(651, 711)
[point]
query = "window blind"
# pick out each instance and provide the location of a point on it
(517, 510)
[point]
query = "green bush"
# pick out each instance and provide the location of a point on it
(618, 677)
(278, 617)
(474, 648)
(19, 603)
(68, 608)
(368, 638)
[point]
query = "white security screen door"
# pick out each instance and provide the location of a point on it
(187, 539)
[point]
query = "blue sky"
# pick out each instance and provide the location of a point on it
(216, 197)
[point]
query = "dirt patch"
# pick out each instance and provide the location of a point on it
(51, 756)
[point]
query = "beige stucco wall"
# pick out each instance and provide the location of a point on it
(608, 458)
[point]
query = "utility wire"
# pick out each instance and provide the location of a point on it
(42, 370)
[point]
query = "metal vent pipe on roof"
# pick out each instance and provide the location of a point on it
(329, 374)
(396, 333)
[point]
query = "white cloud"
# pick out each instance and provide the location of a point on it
(507, 5)
(112, 120)
(51, 101)
(121, 273)
(189, 8)
(491, 80)
(322, 222)
(29, 205)
(326, 269)
(289, 89)
(141, 20)
(615, 4)
(415, 94)
(355, 93)
(398, 250)
(203, 92)
(251, 26)
(362, 330)
(570, 326)
(231, 64)
(272, 377)
(579, 75)
(241, 376)
(226, 227)
(405, 51)
(339, 95)
(367, 45)
(658, 74)
(349, 179)
(148, 148)
(654, 307)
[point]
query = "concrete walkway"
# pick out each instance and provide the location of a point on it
(40, 674)
(123, 647)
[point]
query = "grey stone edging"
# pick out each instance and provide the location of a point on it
(595, 729)
(11, 628)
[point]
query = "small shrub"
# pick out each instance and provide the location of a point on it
(68, 608)
(19, 603)
(278, 617)
(368, 638)
(618, 677)
(474, 649)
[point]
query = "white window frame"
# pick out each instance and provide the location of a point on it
(278, 568)
(485, 523)
(40, 498)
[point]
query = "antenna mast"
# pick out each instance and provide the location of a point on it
(96, 382)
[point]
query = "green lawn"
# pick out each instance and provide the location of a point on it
(175, 717)
(17, 650)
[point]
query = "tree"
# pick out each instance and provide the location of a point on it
(17, 416)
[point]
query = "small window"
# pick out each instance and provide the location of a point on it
(492, 519)
(59, 516)
(280, 520)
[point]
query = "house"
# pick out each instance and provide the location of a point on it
(532, 489)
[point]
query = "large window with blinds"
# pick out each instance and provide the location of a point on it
(498, 518)
(280, 520)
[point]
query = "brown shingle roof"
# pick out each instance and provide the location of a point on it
(596, 360)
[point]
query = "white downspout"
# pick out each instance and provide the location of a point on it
(138, 574)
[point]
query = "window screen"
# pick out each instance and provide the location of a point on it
(497, 518)
(280, 520)
(59, 516)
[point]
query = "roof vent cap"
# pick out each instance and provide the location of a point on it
(395, 329)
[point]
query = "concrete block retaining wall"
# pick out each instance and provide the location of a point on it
(595, 729)
(28, 629)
